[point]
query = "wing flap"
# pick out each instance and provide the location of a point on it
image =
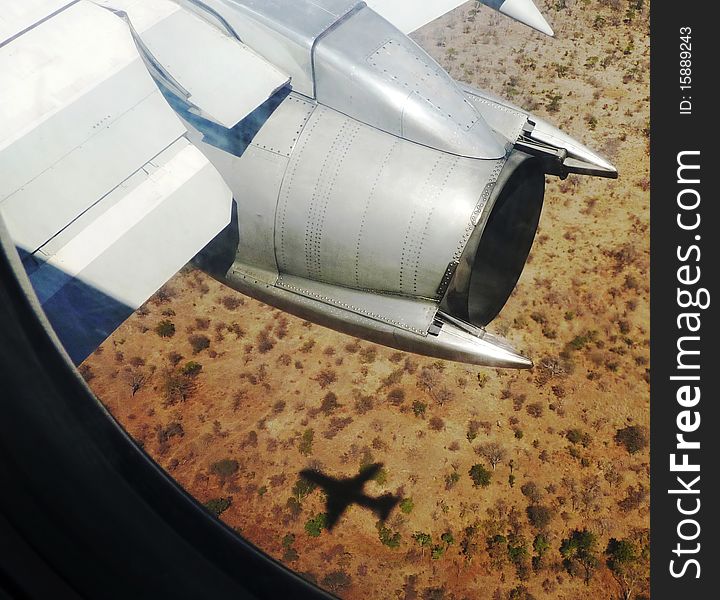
(94, 274)
(69, 136)
(98, 186)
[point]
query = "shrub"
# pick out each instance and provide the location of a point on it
(396, 396)
(539, 515)
(407, 505)
(634, 498)
(336, 582)
(480, 475)
(86, 372)
(363, 404)
(307, 346)
(325, 378)
(237, 330)
(191, 369)
(165, 328)
(367, 355)
(315, 525)
(329, 403)
(633, 437)
(541, 544)
(535, 409)
(176, 387)
(451, 479)
(224, 468)
(387, 537)
(473, 429)
(218, 506)
(531, 491)
(306, 442)
(577, 436)
(437, 551)
(419, 408)
(437, 424)
(164, 434)
(264, 342)
(232, 302)
(199, 342)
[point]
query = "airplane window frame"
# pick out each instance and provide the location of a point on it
(85, 511)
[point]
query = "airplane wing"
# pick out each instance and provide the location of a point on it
(103, 195)
(410, 15)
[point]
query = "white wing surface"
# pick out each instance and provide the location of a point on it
(102, 193)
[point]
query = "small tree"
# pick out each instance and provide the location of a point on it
(633, 437)
(218, 506)
(493, 452)
(315, 525)
(628, 564)
(337, 581)
(531, 491)
(480, 475)
(303, 488)
(325, 378)
(580, 547)
(165, 328)
(225, 469)
(424, 540)
(539, 515)
(306, 442)
(199, 342)
(387, 536)
(407, 505)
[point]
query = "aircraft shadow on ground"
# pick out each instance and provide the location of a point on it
(341, 493)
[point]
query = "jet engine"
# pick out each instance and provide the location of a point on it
(367, 190)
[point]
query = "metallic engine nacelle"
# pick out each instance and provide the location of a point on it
(378, 197)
